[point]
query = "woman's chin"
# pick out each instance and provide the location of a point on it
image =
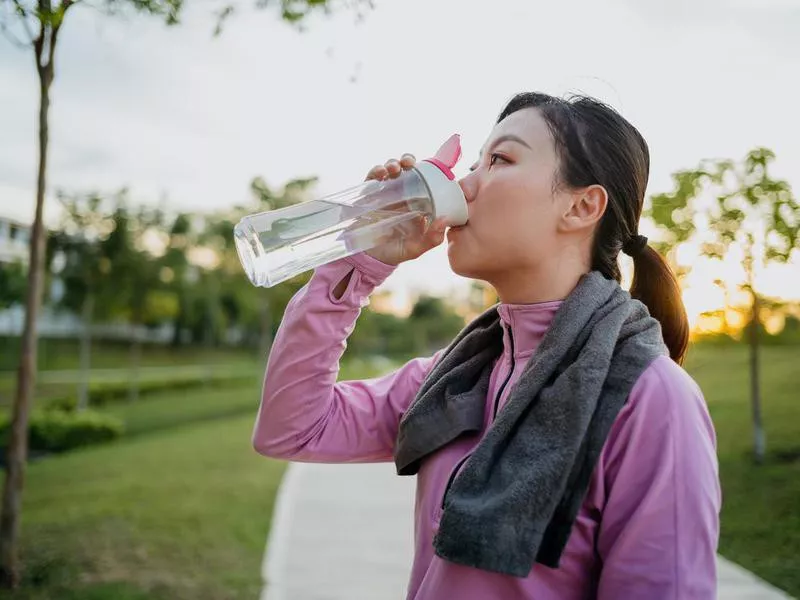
(460, 264)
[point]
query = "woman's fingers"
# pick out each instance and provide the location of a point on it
(435, 233)
(428, 237)
(407, 161)
(392, 167)
(377, 172)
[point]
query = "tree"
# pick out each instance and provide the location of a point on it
(81, 246)
(434, 323)
(138, 273)
(36, 25)
(178, 270)
(12, 284)
(742, 205)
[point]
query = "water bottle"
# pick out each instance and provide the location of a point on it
(276, 245)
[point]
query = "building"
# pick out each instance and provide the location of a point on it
(14, 239)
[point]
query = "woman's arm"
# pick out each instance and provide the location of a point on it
(305, 415)
(660, 525)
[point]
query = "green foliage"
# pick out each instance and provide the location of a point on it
(432, 325)
(60, 430)
(13, 282)
(672, 211)
(738, 204)
(741, 203)
(32, 13)
(223, 297)
(296, 12)
(82, 250)
(294, 192)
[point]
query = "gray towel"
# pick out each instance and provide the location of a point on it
(517, 496)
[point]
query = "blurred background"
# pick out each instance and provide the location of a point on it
(167, 122)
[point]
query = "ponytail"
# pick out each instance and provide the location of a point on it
(655, 285)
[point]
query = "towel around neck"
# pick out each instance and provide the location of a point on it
(517, 496)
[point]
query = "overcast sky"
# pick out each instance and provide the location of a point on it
(175, 113)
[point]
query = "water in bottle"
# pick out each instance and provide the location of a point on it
(276, 245)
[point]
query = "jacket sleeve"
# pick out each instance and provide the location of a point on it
(660, 524)
(305, 415)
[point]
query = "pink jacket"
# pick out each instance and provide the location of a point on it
(649, 525)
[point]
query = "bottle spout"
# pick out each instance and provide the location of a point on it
(450, 151)
(448, 155)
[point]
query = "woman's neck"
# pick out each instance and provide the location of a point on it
(550, 282)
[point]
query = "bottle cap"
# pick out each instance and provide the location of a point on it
(437, 172)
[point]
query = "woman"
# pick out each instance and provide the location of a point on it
(560, 449)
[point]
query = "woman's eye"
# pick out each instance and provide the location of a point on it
(494, 158)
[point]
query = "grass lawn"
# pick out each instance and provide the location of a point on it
(178, 509)
(59, 366)
(761, 504)
(64, 354)
(168, 410)
(180, 514)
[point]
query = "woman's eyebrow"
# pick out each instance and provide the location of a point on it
(508, 137)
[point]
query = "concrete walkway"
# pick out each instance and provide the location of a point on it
(344, 532)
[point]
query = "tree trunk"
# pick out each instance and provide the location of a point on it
(755, 388)
(17, 451)
(86, 352)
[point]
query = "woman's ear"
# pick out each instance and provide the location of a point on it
(585, 209)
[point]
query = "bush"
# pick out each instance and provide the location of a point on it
(102, 394)
(59, 430)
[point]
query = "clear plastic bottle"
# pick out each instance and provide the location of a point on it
(276, 245)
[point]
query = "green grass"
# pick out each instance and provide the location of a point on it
(760, 519)
(59, 373)
(63, 354)
(167, 410)
(179, 508)
(179, 514)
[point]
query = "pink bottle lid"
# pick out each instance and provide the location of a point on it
(447, 156)
(446, 194)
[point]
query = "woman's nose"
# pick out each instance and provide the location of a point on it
(469, 186)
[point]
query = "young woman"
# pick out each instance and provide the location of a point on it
(561, 451)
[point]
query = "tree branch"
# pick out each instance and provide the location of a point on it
(51, 50)
(23, 14)
(38, 45)
(56, 19)
(11, 37)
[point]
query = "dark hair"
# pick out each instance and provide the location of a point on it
(596, 145)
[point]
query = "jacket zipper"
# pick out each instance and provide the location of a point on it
(497, 397)
(508, 377)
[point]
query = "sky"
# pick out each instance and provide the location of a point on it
(178, 115)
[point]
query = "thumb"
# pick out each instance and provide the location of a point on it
(435, 234)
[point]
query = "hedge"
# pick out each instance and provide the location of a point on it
(101, 394)
(56, 430)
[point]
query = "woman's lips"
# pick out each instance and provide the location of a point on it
(455, 230)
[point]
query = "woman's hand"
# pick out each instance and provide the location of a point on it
(416, 238)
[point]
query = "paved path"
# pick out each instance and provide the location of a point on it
(344, 532)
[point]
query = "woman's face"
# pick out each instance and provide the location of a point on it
(514, 206)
